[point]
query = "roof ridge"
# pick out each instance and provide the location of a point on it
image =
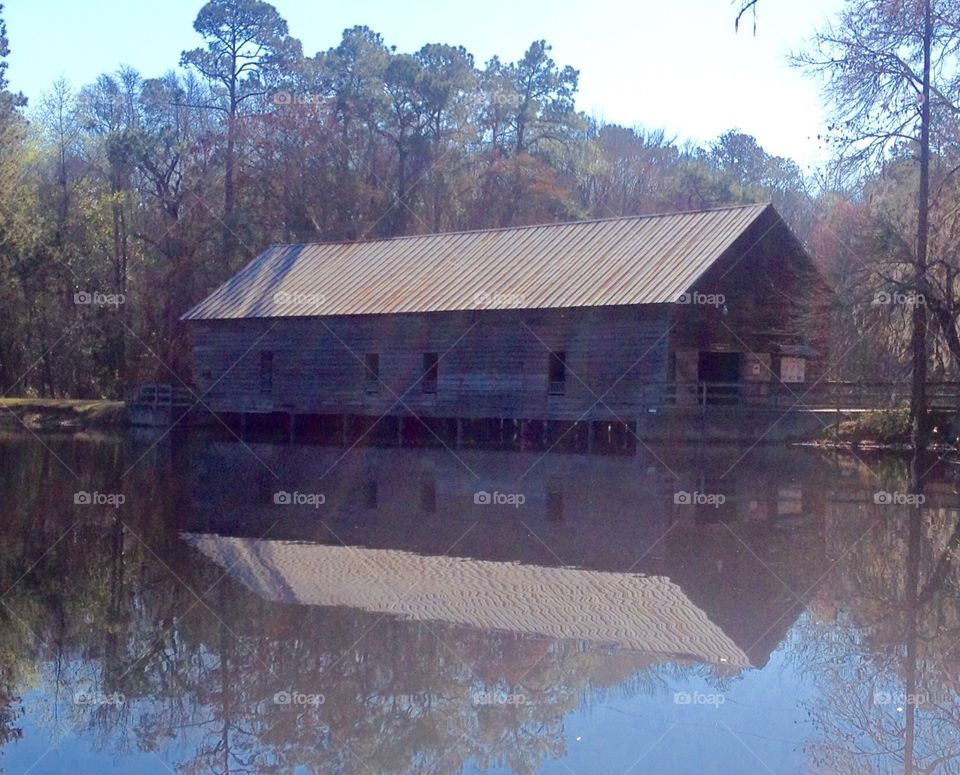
(640, 216)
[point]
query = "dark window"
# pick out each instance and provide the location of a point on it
(372, 375)
(428, 497)
(266, 374)
(370, 494)
(431, 368)
(266, 486)
(557, 374)
(555, 505)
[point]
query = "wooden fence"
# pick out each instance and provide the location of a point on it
(161, 396)
(800, 396)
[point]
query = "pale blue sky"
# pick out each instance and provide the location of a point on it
(672, 64)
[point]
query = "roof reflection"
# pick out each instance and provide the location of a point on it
(650, 614)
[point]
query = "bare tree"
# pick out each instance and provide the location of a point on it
(878, 61)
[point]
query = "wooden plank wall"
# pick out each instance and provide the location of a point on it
(492, 364)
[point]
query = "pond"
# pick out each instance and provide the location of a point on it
(199, 603)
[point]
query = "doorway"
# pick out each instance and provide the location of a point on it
(720, 373)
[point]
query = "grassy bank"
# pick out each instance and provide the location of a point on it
(61, 413)
(887, 428)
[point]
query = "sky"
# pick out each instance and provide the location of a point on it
(676, 65)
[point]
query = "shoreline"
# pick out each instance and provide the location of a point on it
(67, 414)
(57, 414)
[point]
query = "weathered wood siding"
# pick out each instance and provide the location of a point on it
(491, 364)
(763, 280)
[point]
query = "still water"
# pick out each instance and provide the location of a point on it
(202, 604)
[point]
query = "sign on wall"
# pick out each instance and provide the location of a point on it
(757, 367)
(793, 369)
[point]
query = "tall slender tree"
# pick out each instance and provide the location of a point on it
(248, 46)
(878, 62)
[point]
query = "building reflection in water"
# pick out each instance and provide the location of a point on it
(401, 623)
(613, 521)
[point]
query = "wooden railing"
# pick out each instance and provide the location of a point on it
(513, 393)
(800, 396)
(161, 396)
(820, 396)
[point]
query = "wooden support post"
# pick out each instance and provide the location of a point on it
(837, 415)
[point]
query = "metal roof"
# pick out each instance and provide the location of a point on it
(648, 259)
(651, 614)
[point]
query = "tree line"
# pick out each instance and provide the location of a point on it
(126, 200)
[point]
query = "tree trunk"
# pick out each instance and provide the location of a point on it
(918, 467)
(918, 344)
(120, 260)
(229, 191)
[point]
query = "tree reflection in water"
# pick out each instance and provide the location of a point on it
(884, 651)
(201, 646)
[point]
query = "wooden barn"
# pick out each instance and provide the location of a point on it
(603, 320)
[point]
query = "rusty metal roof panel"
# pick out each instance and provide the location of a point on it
(649, 259)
